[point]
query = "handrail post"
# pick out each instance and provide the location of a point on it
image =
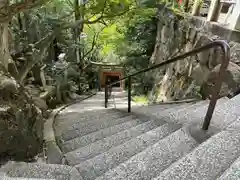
(129, 93)
(217, 88)
(106, 95)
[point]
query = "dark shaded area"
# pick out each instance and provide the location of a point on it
(56, 49)
(112, 79)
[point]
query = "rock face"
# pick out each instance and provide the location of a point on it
(21, 122)
(231, 81)
(190, 77)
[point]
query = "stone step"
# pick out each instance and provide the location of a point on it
(4, 177)
(172, 114)
(94, 103)
(150, 162)
(67, 117)
(40, 171)
(98, 135)
(73, 120)
(81, 129)
(73, 133)
(100, 164)
(98, 147)
(183, 115)
(232, 173)
(208, 161)
(195, 113)
(227, 113)
(234, 126)
(162, 109)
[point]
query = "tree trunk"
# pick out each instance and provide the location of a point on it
(4, 45)
(79, 15)
(4, 51)
(36, 57)
(36, 74)
(186, 5)
(214, 10)
(196, 8)
(30, 28)
(76, 35)
(5, 57)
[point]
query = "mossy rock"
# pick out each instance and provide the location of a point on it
(18, 145)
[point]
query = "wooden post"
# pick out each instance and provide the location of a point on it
(214, 10)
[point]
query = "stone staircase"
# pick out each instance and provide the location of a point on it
(158, 142)
(38, 171)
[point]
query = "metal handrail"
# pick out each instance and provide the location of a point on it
(224, 64)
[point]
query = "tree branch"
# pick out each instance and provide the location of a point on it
(37, 55)
(79, 22)
(95, 37)
(20, 7)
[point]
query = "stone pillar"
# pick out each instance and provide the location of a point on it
(229, 13)
(234, 18)
(214, 10)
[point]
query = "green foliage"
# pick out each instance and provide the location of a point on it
(141, 99)
(149, 3)
(119, 31)
(109, 39)
(138, 34)
(139, 41)
(110, 7)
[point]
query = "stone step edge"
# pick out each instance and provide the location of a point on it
(183, 128)
(140, 129)
(169, 110)
(16, 169)
(107, 128)
(176, 163)
(138, 137)
(53, 153)
(3, 176)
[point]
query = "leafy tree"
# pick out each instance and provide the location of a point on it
(31, 38)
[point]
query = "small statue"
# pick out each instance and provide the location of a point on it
(61, 63)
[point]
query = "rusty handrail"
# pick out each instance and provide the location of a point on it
(224, 64)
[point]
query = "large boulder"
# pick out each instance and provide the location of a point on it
(18, 145)
(231, 81)
(235, 52)
(21, 121)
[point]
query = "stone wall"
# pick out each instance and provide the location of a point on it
(193, 77)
